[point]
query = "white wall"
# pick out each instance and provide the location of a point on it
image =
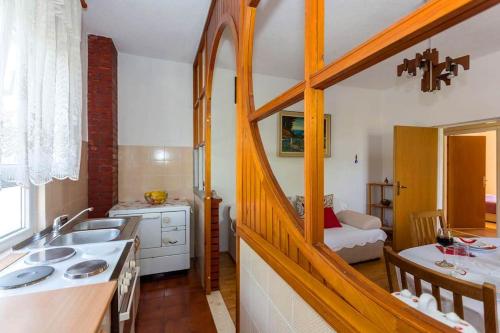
(269, 304)
(224, 134)
(155, 102)
(473, 95)
(356, 129)
(155, 108)
(223, 114)
(155, 111)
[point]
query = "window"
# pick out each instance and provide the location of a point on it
(14, 216)
(40, 95)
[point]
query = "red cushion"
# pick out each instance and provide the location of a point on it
(331, 220)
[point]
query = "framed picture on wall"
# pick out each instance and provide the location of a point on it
(291, 134)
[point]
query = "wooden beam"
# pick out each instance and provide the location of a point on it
(291, 96)
(201, 44)
(430, 19)
(313, 124)
(253, 3)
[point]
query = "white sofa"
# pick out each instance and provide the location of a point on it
(360, 238)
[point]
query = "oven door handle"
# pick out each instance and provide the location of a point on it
(126, 315)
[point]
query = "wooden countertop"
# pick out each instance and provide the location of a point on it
(76, 310)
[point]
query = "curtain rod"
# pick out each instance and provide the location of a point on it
(84, 4)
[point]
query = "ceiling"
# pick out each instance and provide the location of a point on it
(279, 42)
(161, 29)
(165, 29)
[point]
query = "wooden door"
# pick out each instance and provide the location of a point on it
(415, 177)
(466, 181)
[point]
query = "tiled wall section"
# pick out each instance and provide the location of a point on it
(268, 303)
(148, 168)
(67, 196)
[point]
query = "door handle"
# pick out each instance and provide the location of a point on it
(400, 187)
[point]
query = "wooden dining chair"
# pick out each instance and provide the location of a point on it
(485, 293)
(424, 226)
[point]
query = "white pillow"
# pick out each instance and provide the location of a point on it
(339, 205)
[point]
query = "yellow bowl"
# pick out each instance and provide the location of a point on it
(156, 197)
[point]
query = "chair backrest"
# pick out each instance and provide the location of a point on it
(485, 293)
(424, 226)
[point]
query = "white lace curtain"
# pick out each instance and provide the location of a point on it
(40, 91)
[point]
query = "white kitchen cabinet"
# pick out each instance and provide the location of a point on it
(148, 228)
(164, 232)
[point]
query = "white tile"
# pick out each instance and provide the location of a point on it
(245, 288)
(245, 255)
(261, 271)
(281, 294)
(220, 313)
(255, 329)
(259, 310)
(277, 324)
(245, 320)
(306, 319)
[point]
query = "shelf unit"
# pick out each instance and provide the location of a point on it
(374, 207)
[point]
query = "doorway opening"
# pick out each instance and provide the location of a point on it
(223, 170)
(471, 179)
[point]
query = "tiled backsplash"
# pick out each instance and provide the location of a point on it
(66, 196)
(148, 168)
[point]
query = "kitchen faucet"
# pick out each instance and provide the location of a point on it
(60, 221)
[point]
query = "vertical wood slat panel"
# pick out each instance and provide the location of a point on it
(257, 204)
(262, 211)
(278, 230)
(252, 194)
(269, 221)
(247, 188)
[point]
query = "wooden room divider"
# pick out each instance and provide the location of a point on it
(348, 301)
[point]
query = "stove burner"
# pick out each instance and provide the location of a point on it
(50, 256)
(25, 277)
(86, 269)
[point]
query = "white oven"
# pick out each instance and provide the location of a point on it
(129, 289)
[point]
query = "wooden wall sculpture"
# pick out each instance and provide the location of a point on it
(266, 220)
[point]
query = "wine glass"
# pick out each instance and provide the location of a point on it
(445, 239)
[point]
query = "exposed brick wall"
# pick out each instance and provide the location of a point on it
(102, 124)
(214, 255)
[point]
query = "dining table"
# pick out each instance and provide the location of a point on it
(479, 267)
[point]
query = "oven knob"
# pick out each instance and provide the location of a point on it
(122, 289)
(132, 263)
(128, 276)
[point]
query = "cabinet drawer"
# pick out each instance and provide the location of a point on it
(173, 238)
(171, 219)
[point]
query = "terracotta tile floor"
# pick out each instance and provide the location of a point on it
(173, 302)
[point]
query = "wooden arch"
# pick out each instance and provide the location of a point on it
(222, 15)
(266, 221)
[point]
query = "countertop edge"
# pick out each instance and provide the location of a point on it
(16, 312)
